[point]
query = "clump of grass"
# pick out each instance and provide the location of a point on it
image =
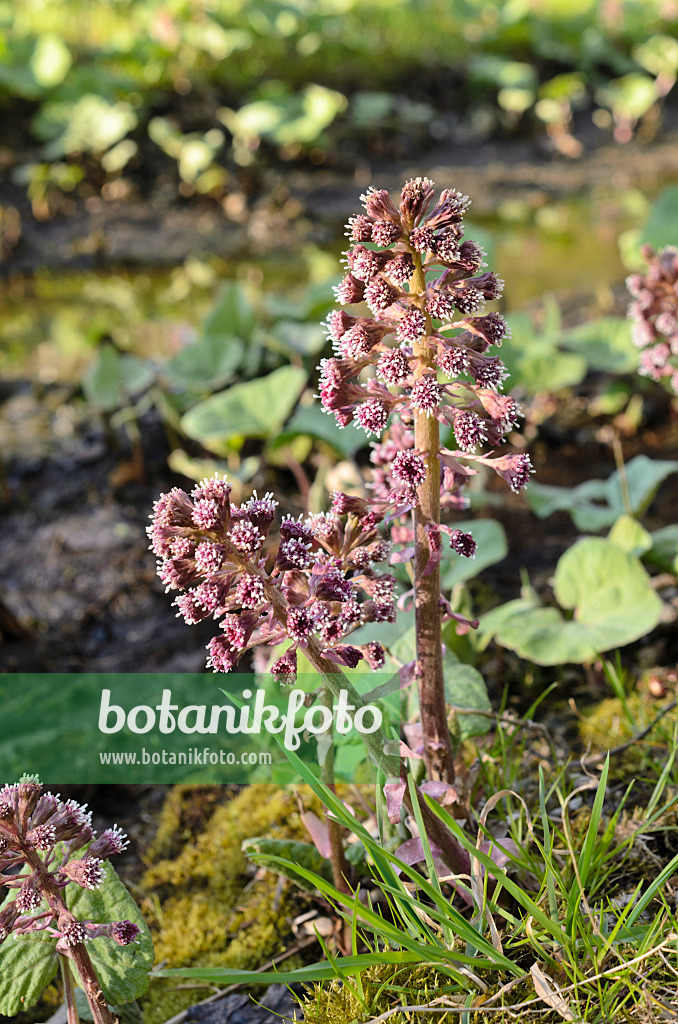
(574, 925)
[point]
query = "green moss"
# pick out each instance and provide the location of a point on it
(205, 905)
(387, 988)
(606, 725)
(185, 812)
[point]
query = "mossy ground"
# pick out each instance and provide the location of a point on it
(203, 901)
(386, 989)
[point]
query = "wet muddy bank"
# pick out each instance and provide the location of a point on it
(285, 208)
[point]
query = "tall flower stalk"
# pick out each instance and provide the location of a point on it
(438, 750)
(432, 370)
(420, 361)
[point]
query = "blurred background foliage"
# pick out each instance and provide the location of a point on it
(202, 89)
(174, 176)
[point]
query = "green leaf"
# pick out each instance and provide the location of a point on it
(502, 72)
(291, 336)
(135, 374)
(310, 420)
(664, 551)
(102, 380)
(659, 55)
(256, 408)
(662, 224)
(122, 970)
(605, 343)
(630, 536)
(490, 537)
(111, 379)
(579, 501)
(534, 360)
(312, 972)
(261, 850)
(630, 96)
(609, 593)
(90, 124)
(465, 688)
(404, 650)
(596, 504)
(643, 477)
(207, 362)
(232, 314)
(26, 968)
(51, 60)
(283, 117)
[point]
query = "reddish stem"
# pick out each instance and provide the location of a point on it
(78, 953)
(438, 753)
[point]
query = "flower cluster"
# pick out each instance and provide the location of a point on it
(427, 338)
(421, 356)
(654, 313)
(317, 579)
(40, 834)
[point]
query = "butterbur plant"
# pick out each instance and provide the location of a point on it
(431, 349)
(654, 314)
(62, 892)
(420, 358)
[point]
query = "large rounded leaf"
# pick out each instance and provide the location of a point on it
(662, 224)
(609, 593)
(605, 343)
(256, 408)
(465, 689)
(311, 421)
(209, 361)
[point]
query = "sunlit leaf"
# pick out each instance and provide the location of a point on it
(596, 504)
(611, 597)
(285, 117)
(630, 96)
(51, 60)
(628, 534)
(207, 362)
(91, 124)
(256, 408)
